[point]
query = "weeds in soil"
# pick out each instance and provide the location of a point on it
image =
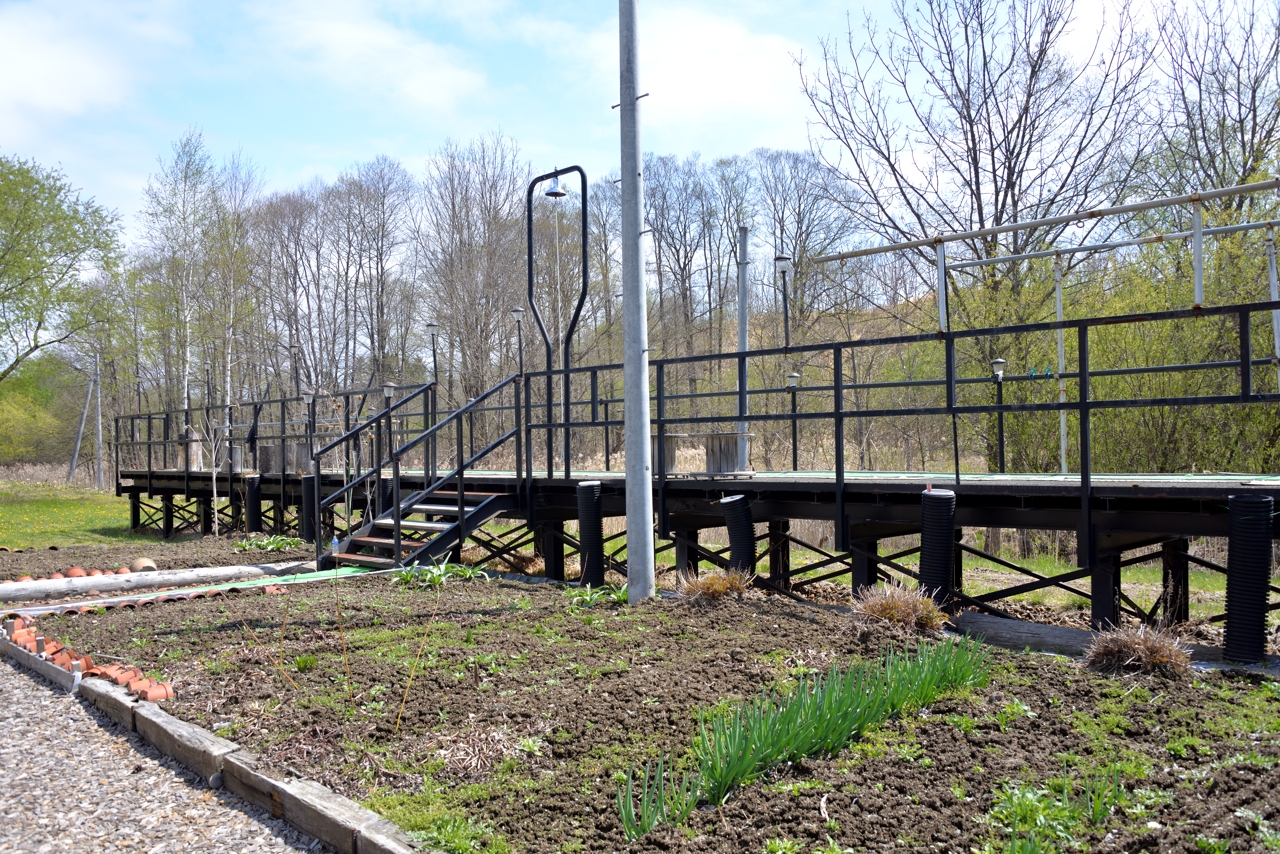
(304, 663)
(271, 543)
(909, 608)
(823, 714)
(714, 585)
(436, 575)
(781, 845)
(1051, 817)
(1142, 649)
(589, 597)
(832, 847)
(663, 799)
(1011, 711)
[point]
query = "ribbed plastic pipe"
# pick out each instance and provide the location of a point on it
(307, 512)
(1248, 573)
(937, 542)
(386, 494)
(742, 533)
(591, 533)
(253, 504)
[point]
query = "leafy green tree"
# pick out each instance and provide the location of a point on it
(51, 241)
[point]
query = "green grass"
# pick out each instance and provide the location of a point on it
(37, 515)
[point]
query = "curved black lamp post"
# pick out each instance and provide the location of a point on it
(537, 315)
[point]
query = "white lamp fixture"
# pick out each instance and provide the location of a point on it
(793, 379)
(997, 368)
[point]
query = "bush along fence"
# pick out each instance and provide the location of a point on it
(820, 717)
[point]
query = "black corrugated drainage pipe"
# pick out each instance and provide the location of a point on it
(937, 542)
(386, 494)
(742, 534)
(253, 504)
(307, 512)
(1248, 573)
(590, 533)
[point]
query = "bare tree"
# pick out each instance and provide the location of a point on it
(1221, 62)
(971, 114)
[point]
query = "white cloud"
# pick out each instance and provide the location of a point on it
(53, 65)
(714, 83)
(356, 50)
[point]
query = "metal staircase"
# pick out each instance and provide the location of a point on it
(431, 523)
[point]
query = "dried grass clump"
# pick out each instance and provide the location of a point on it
(713, 585)
(906, 607)
(1138, 650)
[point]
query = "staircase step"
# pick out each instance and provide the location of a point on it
(347, 559)
(437, 509)
(410, 525)
(406, 544)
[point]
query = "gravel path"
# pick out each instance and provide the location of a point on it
(73, 780)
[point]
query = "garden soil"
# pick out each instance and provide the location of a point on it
(524, 709)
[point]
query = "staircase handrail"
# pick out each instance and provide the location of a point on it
(469, 407)
(374, 418)
(462, 464)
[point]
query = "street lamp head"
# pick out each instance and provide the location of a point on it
(388, 390)
(431, 326)
(793, 379)
(555, 191)
(997, 368)
(782, 263)
(308, 396)
(518, 314)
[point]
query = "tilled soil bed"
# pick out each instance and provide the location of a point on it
(524, 709)
(185, 553)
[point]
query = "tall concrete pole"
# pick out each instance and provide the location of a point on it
(743, 346)
(635, 322)
(97, 433)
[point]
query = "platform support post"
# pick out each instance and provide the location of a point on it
(166, 516)
(865, 571)
(236, 498)
(780, 553)
(686, 552)
(135, 511)
(205, 506)
(550, 545)
(253, 504)
(1175, 604)
(1104, 591)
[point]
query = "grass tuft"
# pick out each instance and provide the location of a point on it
(901, 606)
(714, 585)
(1141, 649)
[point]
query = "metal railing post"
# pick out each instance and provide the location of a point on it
(1246, 359)
(1062, 364)
(1197, 249)
(842, 529)
(660, 429)
(1275, 295)
(395, 503)
(462, 514)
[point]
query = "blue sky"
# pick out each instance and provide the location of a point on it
(310, 88)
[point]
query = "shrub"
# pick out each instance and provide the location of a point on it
(714, 585)
(1141, 649)
(901, 606)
